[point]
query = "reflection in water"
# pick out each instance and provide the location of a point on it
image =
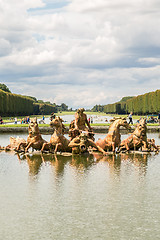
(84, 162)
(139, 160)
(81, 162)
(80, 197)
(113, 160)
(34, 162)
(59, 162)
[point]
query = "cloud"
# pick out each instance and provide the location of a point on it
(80, 52)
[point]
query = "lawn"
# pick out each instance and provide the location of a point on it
(11, 120)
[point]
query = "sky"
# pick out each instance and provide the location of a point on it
(80, 52)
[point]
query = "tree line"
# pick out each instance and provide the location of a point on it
(148, 103)
(19, 105)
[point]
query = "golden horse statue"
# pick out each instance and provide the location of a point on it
(58, 141)
(137, 139)
(34, 138)
(113, 138)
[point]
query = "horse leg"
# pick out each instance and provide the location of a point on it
(118, 148)
(134, 146)
(44, 145)
(155, 148)
(19, 145)
(28, 146)
(58, 145)
(126, 146)
(47, 147)
(145, 145)
(113, 146)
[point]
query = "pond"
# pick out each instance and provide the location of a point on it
(81, 197)
(68, 118)
(96, 118)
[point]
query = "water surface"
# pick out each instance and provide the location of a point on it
(79, 197)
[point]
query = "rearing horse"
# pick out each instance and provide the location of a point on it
(58, 142)
(137, 139)
(113, 138)
(34, 138)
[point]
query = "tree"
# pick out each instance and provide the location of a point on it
(4, 88)
(63, 107)
(33, 98)
(40, 101)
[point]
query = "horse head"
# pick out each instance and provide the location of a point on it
(57, 124)
(141, 127)
(33, 128)
(123, 122)
(118, 121)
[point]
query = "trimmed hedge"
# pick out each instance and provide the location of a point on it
(13, 104)
(148, 103)
(43, 108)
(18, 105)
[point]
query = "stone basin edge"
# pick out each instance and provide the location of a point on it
(96, 129)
